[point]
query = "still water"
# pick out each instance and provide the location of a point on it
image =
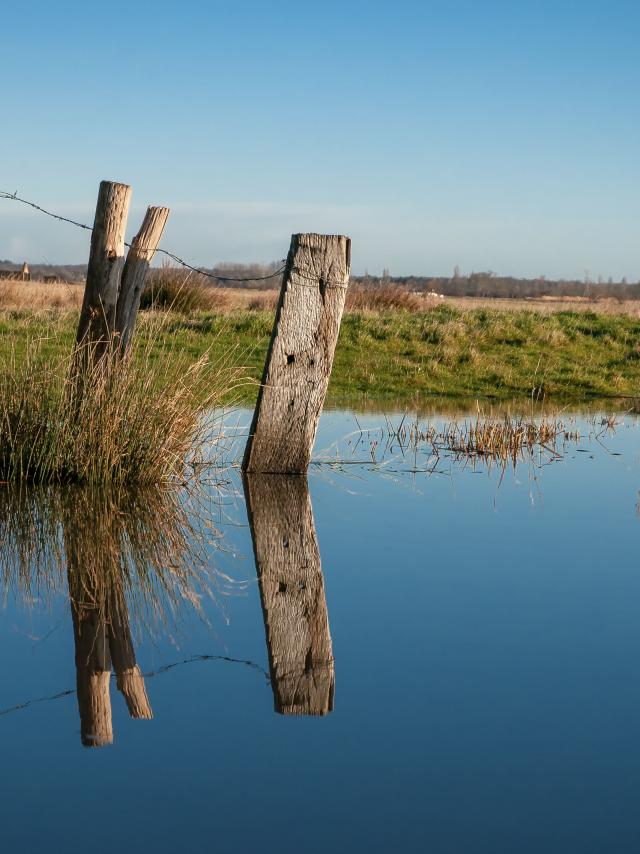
(415, 653)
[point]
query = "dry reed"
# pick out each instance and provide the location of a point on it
(137, 423)
(173, 289)
(384, 298)
(503, 440)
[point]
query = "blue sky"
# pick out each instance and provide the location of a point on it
(491, 135)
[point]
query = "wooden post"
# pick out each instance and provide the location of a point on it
(292, 594)
(139, 257)
(300, 357)
(106, 259)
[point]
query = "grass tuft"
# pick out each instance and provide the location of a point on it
(138, 423)
(173, 289)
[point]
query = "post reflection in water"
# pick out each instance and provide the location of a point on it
(137, 559)
(292, 593)
(122, 550)
(100, 615)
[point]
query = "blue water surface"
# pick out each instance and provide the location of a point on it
(486, 636)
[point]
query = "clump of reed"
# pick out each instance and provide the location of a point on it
(503, 440)
(141, 421)
(383, 298)
(506, 439)
(174, 289)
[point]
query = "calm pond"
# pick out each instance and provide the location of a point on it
(419, 652)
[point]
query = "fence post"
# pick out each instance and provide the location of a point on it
(134, 274)
(291, 593)
(106, 259)
(300, 356)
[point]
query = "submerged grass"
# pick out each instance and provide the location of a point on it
(494, 440)
(503, 439)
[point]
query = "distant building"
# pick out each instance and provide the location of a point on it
(16, 275)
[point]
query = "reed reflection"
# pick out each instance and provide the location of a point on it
(126, 555)
(292, 593)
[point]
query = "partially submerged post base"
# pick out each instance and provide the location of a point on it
(300, 357)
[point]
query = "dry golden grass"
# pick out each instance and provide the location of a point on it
(502, 440)
(544, 305)
(39, 296)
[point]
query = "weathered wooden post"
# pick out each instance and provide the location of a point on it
(114, 287)
(106, 260)
(300, 357)
(292, 594)
(134, 274)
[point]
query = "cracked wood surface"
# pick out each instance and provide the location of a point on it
(106, 260)
(300, 356)
(134, 275)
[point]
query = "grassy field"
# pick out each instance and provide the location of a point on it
(448, 349)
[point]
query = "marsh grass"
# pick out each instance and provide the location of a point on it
(503, 440)
(142, 421)
(395, 354)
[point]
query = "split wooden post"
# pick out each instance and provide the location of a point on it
(292, 594)
(106, 260)
(134, 274)
(300, 357)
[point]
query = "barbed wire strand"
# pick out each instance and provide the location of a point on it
(14, 197)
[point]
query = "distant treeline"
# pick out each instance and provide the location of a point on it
(65, 272)
(485, 285)
(253, 275)
(489, 285)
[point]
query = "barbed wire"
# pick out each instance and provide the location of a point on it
(14, 197)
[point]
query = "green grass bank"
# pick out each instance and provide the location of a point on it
(398, 354)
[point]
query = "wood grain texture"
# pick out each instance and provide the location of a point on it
(134, 275)
(106, 260)
(292, 594)
(300, 356)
